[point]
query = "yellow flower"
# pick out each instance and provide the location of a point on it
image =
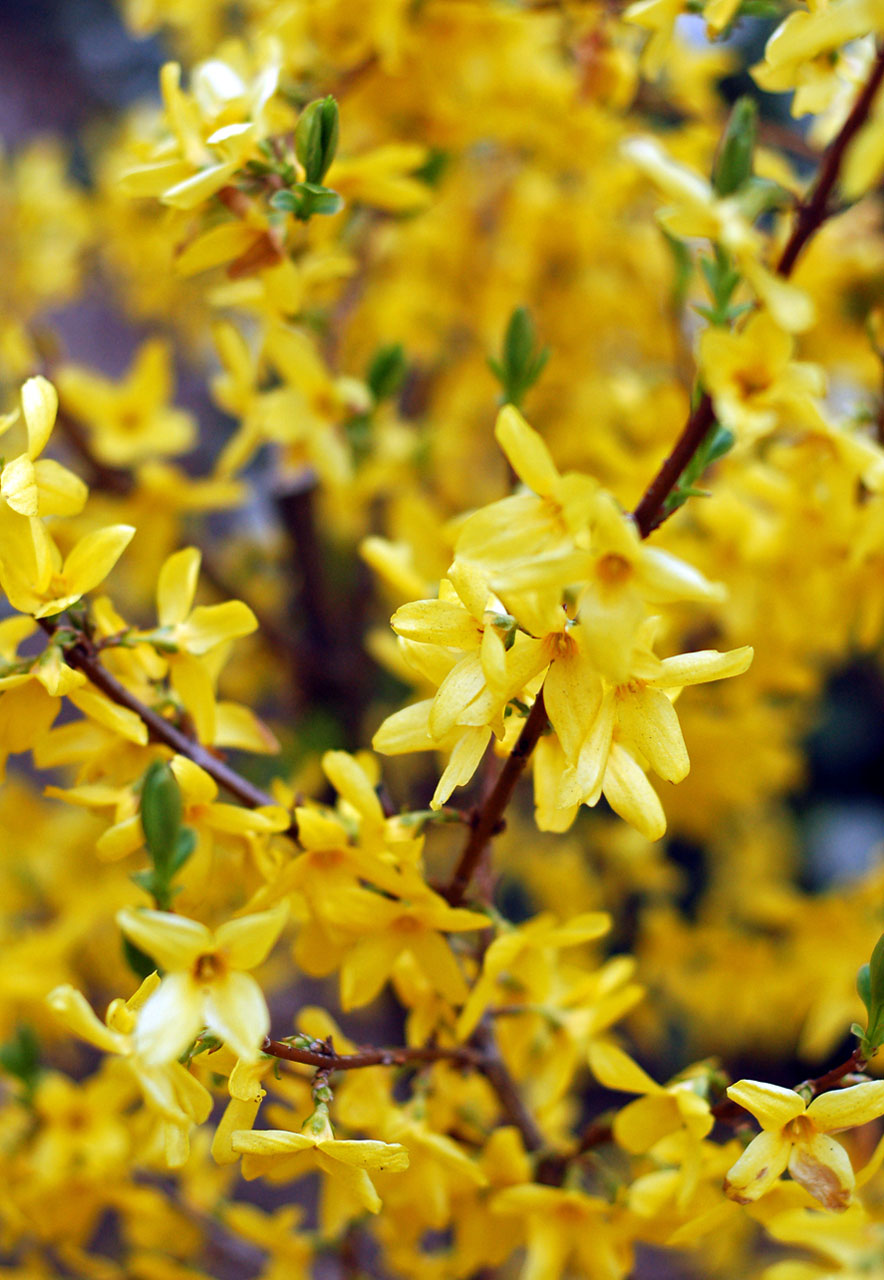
(204, 985)
(129, 420)
(755, 384)
(796, 1136)
(387, 929)
(697, 211)
(41, 487)
(564, 1226)
(282, 1155)
(177, 1099)
(35, 578)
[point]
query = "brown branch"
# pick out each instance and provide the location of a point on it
(650, 513)
(495, 1071)
(814, 212)
(488, 819)
(402, 1056)
(82, 656)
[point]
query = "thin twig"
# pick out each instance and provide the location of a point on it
(401, 1056)
(82, 656)
(490, 815)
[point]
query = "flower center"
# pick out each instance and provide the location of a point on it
(208, 967)
(613, 569)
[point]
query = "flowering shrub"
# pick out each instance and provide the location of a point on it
(513, 328)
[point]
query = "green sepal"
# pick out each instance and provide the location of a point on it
(734, 159)
(316, 137)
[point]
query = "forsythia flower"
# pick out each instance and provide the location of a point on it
(204, 985)
(282, 1155)
(796, 1136)
(177, 1099)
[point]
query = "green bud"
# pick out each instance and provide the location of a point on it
(386, 372)
(316, 137)
(161, 810)
(733, 162)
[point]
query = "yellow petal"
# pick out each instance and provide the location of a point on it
(771, 1105)
(170, 1020)
(700, 667)
(436, 622)
(462, 763)
(616, 1070)
(352, 783)
(118, 719)
(629, 794)
(93, 557)
(40, 404)
(210, 625)
(176, 586)
(235, 1009)
(847, 1108)
(573, 695)
(644, 1122)
(758, 1168)
(649, 722)
(59, 491)
(526, 451)
(380, 1157)
(248, 940)
(823, 1168)
(18, 485)
(200, 186)
(77, 1014)
(173, 941)
(463, 683)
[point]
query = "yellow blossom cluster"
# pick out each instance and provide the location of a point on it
(530, 422)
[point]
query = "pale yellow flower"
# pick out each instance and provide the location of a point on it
(204, 984)
(797, 1136)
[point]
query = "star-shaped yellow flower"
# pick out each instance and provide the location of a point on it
(204, 985)
(797, 1136)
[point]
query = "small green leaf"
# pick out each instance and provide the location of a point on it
(864, 986)
(140, 963)
(734, 160)
(20, 1057)
(285, 201)
(520, 365)
(386, 371)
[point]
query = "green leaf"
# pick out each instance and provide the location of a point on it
(141, 964)
(316, 138)
(734, 159)
(184, 847)
(520, 364)
(20, 1057)
(285, 201)
(386, 371)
